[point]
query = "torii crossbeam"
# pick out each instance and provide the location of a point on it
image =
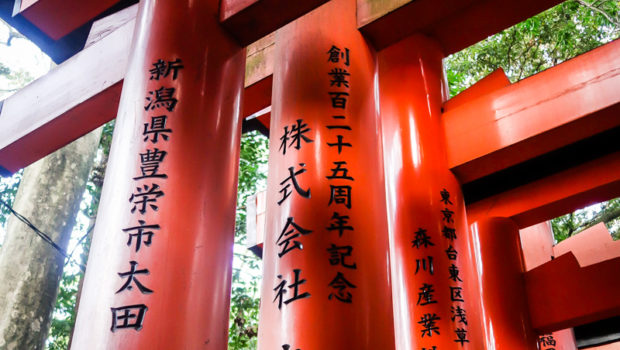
(375, 177)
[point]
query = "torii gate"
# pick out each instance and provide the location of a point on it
(367, 242)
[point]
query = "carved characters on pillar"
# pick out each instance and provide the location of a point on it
(426, 292)
(341, 256)
(287, 347)
(430, 279)
(547, 342)
(289, 287)
(458, 314)
(147, 192)
(293, 288)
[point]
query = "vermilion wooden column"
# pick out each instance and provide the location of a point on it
(537, 247)
(434, 286)
(159, 269)
(500, 266)
(326, 273)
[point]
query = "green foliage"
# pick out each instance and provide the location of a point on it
(245, 301)
(8, 190)
(573, 223)
(551, 37)
(246, 266)
(64, 314)
(4, 70)
(538, 43)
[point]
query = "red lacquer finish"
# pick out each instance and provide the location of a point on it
(591, 246)
(250, 20)
(491, 83)
(545, 112)
(57, 18)
(564, 340)
(417, 179)
(558, 194)
(454, 24)
(536, 244)
(301, 85)
(190, 254)
(537, 248)
(562, 294)
(499, 265)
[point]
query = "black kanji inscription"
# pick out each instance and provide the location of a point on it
(131, 277)
(428, 322)
(445, 196)
(340, 172)
(156, 128)
(292, 177)
(425, 295)
(141, 233)
(161, 69)
(422, 263)
(458, 314)
(339, 77)
(144, 197)
(339, 254)
(422, 239)
(162, 97)
(340, 144)
(340, 195)
(454, 273)
(295, 135)
(339, 223)
(290, 231)
(149, 164)
(456, 294)
(280, 290)
(131, 316)
(335, 55)
(461, 336)
(341, 285)
(339, 99)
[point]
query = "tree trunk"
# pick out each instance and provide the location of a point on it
(30, 269)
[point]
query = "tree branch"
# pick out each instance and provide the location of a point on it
(596, 9)
(523, 55)
(513, 36)
(13, 34)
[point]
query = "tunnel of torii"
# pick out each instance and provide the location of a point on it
(392, 214)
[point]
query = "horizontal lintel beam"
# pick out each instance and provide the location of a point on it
(250, 20)
(83, 93)
(68, 102)
(456, 24)
(57, 18)
(561, 193)
(545, 112)
(561, 294)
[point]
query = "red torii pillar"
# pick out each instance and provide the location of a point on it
(326, 272)
(159, 268)
(499, 260)
(537, 248)
(435, 287)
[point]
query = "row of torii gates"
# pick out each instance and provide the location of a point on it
(392, 213)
